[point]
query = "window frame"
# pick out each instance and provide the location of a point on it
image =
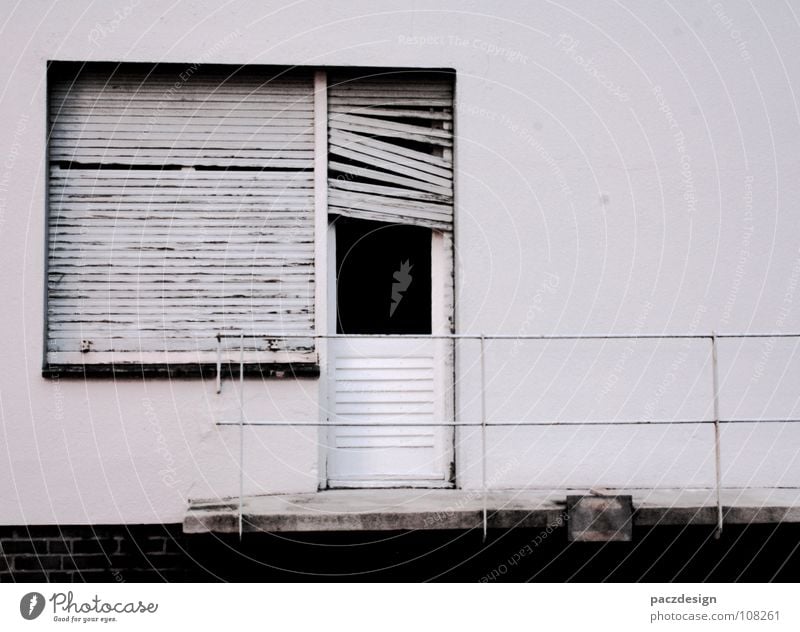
(175, 363)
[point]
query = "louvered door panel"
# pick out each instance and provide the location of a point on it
(385, 388)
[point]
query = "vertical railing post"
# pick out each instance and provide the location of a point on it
(483, 437)
(241, 431)
(219, 363)
(717, 459)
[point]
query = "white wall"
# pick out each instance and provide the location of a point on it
(662, 201)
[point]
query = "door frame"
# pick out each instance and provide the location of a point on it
(442, 320)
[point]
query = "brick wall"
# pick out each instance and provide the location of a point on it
(92, 553)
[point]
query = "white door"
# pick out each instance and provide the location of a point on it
(390, 279)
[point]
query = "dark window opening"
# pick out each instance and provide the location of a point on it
(383, 278)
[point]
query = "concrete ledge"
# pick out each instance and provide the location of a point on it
(408, 509)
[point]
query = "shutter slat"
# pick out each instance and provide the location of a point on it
(382, 176)
(417, 156)
(390, 192)
(422, 113)
(404, 166)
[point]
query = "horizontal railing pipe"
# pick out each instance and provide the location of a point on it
(680, 336)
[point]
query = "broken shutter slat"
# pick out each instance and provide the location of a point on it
(419, 157)
(143, 259)
(387, 210)
(445, 115)
(364, 127)
(377, 189)
(391, 128)
(382, 176)
(389, 144)
(386, 165)
(415, 167)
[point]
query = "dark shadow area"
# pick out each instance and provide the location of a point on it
(664, 554)
(155, 553)
(383, 278)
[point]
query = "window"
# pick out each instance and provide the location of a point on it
(383, 274)
(182, 200)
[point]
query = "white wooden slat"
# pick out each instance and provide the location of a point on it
(389, 192)
(119, 297)
(175, 351)
(200, 76)
(432, 134)
(140, 127)
(161, 87)
(393, 101)
(135, 191)
(156, 81)
(269, 94)
(153, 256)
(129, 332)
(257, 114)
(376, 214)
(248, 147)
(167, 176)
(139, 188)
(151, 327)
(428, 158)
(379, 207)
(165, 311)
(221, 130)
(124, 209)
(392, 85)
(104, 271)
(371, 158)
(185, 108)
(188, 356)
(390, 209)
(66, 237)
(167, 292)
(194, 281)
(390, 218)
(441, 114)
(170, 158)
(382, 176)
(388, 129)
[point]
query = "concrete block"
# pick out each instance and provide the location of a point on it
(600, 518)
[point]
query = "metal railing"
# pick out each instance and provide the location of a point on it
(482, 422)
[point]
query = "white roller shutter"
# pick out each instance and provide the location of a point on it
(390, 146)
(178, 209)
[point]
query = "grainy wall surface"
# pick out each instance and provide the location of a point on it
(619, 169)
